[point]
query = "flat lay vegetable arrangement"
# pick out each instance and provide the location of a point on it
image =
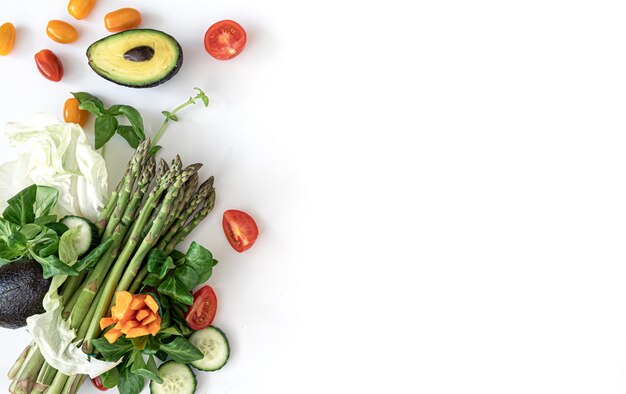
(100, 279)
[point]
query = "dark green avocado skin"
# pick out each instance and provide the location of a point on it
(166, 78)
(22, 288)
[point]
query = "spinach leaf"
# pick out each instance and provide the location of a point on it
(58, 228)
(147, 370)
(130, 383)
(53, 266)
(111, 378)
(115, 351)
(7, 254)
(20, 210)
(201, 260)
(18, 242)
(7, 228)
(31, 230)
(187, 276)
(47, 219)
(173, 288)
(45, 201)
(181, 350)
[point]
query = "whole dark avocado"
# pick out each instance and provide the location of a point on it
(22, 288)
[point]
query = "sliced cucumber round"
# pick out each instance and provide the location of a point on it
(213, 343)
(87, 237)
(177, 379)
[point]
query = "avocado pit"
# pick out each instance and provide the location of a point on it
(139, 54)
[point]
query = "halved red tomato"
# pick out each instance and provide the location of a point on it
(201, 314)
(98, 383)
(240, 230)
(225, 40)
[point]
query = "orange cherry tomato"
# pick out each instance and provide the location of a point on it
(79, 9)
(49, 65)
(122, 19)
(73, 114)
(7, 38)
(225, 40)
(61, 32)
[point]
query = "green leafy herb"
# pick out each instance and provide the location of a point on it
(20, 210)
(181, 350)
(111, 378)
(115, 351)
(67, 246)
(130, 383)
(173, 288)
(53, 266)
(93, 257)
(104, 128)
(171, 116)
(147, 370)
(128, 133)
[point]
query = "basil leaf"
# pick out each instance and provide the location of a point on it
(128, 133)
(20, 209)
(7, 228)
(105, 128)
(135, 119)
(130, 383)
(187, 276)
(45, 200)
(67, 246)
(18, 242)
(89, 103)
(110, 378)
(153, 151)
(182, 351)
(53, 266)
(148, 370)
(47, 219)
(173, 288)
(31, 230)
(201, 260)
(112, 351)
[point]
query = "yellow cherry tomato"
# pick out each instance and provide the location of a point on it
(7, 38)
(61, 32)
(122, 19)
(79, 9)
(73, 114)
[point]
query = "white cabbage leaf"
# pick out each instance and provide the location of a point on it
(57, 154)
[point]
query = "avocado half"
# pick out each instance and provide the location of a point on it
(138, 58)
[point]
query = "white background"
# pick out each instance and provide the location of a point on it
(440, 188)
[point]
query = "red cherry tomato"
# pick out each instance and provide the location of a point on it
(201, 314)
(240, 230)
(225, 40)
(49, 65)
(98, 383)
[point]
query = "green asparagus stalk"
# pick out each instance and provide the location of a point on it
(57, 384)
(96, 278)
(45, 378)
(199, 198)
(28, 376)
(138, 160)
(15, 369)
(189, 227)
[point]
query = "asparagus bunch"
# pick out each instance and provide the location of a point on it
(151, 207)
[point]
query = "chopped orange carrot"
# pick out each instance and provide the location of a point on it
(142, 314)
(137, 332)
(129, 324)
(113, 335)
(138, 302)
(106, 321)
(152, 304)
(149, 319)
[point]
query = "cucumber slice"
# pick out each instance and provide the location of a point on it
(213, 343)
(88, 235)
(177, 379)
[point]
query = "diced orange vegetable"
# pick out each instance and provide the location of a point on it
(137, 332)
(154, 328)
(149, 319)
(130, 324)
(142, 314)
(138, 302)
(106, 321)
(119, 325)
(152, 304)
(113, 335)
